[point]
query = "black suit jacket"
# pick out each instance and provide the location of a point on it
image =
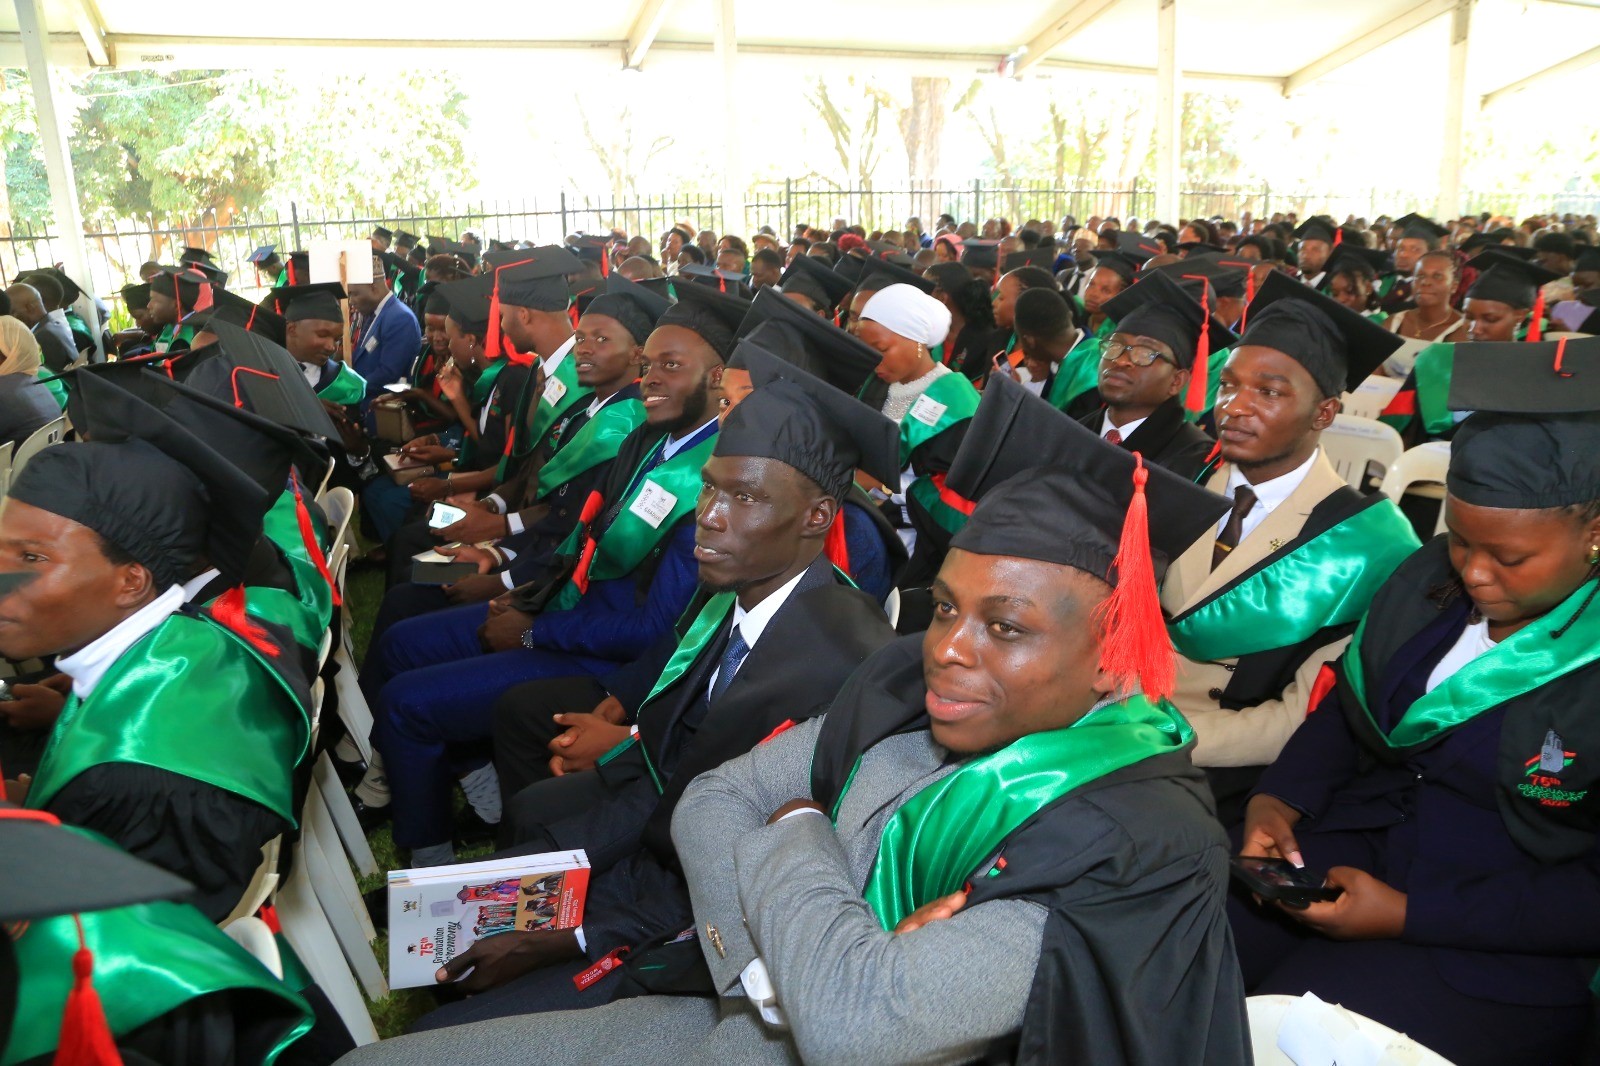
(1166, 439)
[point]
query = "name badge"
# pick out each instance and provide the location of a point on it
(928, 411)
(653, 504)
(371, 345)
(554, 389)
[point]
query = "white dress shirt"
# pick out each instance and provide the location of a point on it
(1269, 494)
(88, 664)
(752, 623)
(1106, 426)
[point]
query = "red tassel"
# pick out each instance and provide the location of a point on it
(86, 1038)
(309, 536)
(229, 609)
(1135, 651)
(1249, 296)
(1194, 400)
(1535, 333)
(605, 263)
(591, 509)
(491, 340)
(572, 313)
(837, 547)
(1326, 680)
(1561, 353)
(514, 356)
(1338, 236)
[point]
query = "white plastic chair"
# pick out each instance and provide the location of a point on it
(252, 934)
(1420, 471)
(262, 885)
(1318, 1027)
(891, 607)
(340, 506)
(36, 442)
(1370, 397)
(327, 476)
(314, 941)
(338, 895)
(343, 813)
(1352, 443)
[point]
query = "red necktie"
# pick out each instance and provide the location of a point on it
(1113, 437)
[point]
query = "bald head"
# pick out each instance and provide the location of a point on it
(26, 304)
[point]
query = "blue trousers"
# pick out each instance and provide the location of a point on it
(387, 505)
(432, 689)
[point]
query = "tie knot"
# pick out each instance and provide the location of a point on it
(1244, 498)
(1113, 436)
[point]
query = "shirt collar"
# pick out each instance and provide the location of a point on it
(752, 623)
(1269, 494)
(670, 447)
(1106, 425)
(195, 585)
(381, 305)
(313, 374)
(88, 664)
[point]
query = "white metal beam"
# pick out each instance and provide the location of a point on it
(66, 50)
(647, 22)
(1566, 66)
(1395, 26)
(725, 44)
(1066, 22)
(1169, 123)
(1449, 202)
(91, 28)
(55, 129)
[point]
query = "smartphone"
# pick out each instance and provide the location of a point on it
(398, 386)
(444, 515)
(1282, 880)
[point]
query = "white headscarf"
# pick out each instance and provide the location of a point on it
(910, 312)
(19, 346)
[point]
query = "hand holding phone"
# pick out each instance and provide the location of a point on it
(444, 515)
(1282, 881)
(398, 386)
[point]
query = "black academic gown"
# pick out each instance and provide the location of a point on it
(1137, 961)
(1166, 438)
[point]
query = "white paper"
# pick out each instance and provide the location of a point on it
(554, 389)
(1314, 1033)
(927, 410)
(653, 504)
(323, 264)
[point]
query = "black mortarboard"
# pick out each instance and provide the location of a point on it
(297, 303)
(1157, 306)
(502, 246)
(1049, 488)
(262, 254)
(181, 285)
(136, 297)
(808, 276)
(1495, 238)
(70, 291)
(1420, 228)
(248, 370)
(47, 872)
(535, 278)
(214, 274)
(297, 268)
(235, 309)
(469, 302)
(1356, 258)
(721, 281)
(891, 274)
(849, 267)
(585, 290)
(1317, 228)
(662, 287)
(402, 239)
(1533, 439)
(1588, 260)
(983, 254)
(812, 343)
(1193, 249)
(1269, 247)
(1337, 346)
(1507, 279)
(433, 301)
(1137, 247)
(633, 306)
(196, 255)
(950, 277)
(380, 231)
(1227, 276)
(595, 250)
(711, 314)
(1043, 258)
(808, 424)
(1121, 264)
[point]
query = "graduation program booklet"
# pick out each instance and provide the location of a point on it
(437, 912)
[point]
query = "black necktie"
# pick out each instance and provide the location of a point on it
(1244, 498)
(737, 650)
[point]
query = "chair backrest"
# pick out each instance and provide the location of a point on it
(1353, 444)
(327, 476)
(252, 934)
(36, 442)
(1326, 1032)
(340, 505)
(1371, 397)
(1426, 464)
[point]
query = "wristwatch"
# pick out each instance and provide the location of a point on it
(527, 638)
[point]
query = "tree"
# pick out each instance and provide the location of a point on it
(922, 127)
(621, 156)
(853, 127)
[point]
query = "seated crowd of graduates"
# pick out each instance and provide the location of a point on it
(910, 628)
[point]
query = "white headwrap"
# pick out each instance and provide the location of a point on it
(910, 312)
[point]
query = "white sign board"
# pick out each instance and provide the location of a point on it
(324, 261)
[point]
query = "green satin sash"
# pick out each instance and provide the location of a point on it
(191, 698)
(346, 388)
(1432, 369)
(957, 400)
(1079, 371)
(282, 527)
(52, 381)
(630, 538)
(597, 442)
(937, 839)
(1524, 661)
(547, 414)
(482, 387)
(1327, 581)
(149, 959)
(704, 627)
(926, 493)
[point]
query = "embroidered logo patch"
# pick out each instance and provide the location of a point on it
(1544, 775)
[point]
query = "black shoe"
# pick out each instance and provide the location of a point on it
(471, 830)
(370, 817)
(377, 902)
(350, 773)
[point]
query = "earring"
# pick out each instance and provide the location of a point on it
(1594, 555)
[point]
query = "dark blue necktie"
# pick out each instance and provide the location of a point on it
(737, 650)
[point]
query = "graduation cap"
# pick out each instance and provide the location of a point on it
(1317, 228)
(1157, 306)
(136, 297)
(985, 255)
(399, 264)
(70, 291)
(1337, 346)
(1354, 258)
(382, 233)
(1048, 488)
(1229, 278)
(594, 250)
(849, 267)
(722, 281)
(951, 277)
(1269, 247)
(804, 422)
(214, 274)
(888, 274)
(262, 254)
(630, 304)
(1043, 258)
(1121, 264)
(1533, 438)
(1495, 238)
(249, 371)
(46, 871)
(1511, 280)
(1588, 260)
(715, 316)
(1192, 249)
(188, 289)
(469, 302)
(196, 255)
(296, 303)
(662, 287)
(533, 277)
(808, 277)
(1420, 228)
(1137, 247)
(297, 268)
(402, 239)
(812, 343)
(236, 310)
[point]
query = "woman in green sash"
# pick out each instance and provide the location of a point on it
(1446, 783)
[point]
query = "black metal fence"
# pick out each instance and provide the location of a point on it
(117, 249)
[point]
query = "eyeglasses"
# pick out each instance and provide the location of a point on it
(1137, 354)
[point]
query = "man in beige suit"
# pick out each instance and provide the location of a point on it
(1257, 609)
